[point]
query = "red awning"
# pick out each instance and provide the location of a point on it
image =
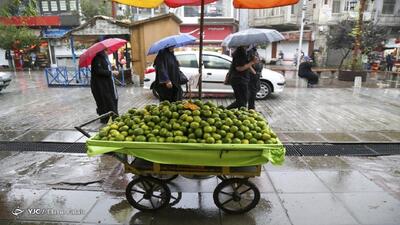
(31, 21)
(262, 4)
(179, 3)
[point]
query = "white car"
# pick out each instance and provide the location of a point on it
(5, 80)
(216, 67)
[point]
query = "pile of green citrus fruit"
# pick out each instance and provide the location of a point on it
(189, 122)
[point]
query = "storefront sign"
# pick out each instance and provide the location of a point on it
(54, 32)
(211, 32)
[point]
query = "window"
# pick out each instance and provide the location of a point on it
(190, 11)
(45, 6)
(63, 5)
(187, 60)
(388, 6)
(336, 6)
(215, 62)
(72, 5)
(350, 5)
(53, 6)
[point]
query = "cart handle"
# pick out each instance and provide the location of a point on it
(79, 128)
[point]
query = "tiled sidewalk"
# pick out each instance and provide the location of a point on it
(305, 190)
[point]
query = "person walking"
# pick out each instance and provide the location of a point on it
(240, 77)
(306, 72)
(168, 76)
(280, 58)
(103, 86)
(389, 62)
(254, 81)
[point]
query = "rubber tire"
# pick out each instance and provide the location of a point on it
(231, 181)
(267, 85)
(166, 198)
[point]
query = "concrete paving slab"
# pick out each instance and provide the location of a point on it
(394, 135)
(303, 137)
(5, 154)
(63, 205)
(316, 209)
(269, 211)
(347, 181)
(35, 135)
(297, 182)
(372, 207)
(370, 136)
(63, 136)
(187, 185)
(383, 171)
(111, 211)
(10, 134)
(326, 163)
(193, 209)
(338, 137)
(263, 183)
(292, 163)
(11, 199)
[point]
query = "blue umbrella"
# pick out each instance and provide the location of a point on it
(171, 41)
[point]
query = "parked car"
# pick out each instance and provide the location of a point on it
(216, 67)
(5, 80)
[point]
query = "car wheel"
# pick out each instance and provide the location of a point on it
(265, 90)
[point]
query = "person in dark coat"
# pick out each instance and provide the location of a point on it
(240, 69)
(254, 81)
(306, 72)
(168, 81)
(103, 86)
(389, 62)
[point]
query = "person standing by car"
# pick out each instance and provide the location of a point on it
(254, 82)
(306, 72)
(103, 86)
(168, 81)
(389, 62)
(240, 77)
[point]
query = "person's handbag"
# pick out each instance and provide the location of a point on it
(228, 76)
(182, 78)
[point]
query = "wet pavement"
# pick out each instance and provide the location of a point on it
(75, 189)
(61, 188)
(30, 111)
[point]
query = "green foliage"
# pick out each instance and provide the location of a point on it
(19, 8)
(12, 37)
(347, 65)
(92, 8)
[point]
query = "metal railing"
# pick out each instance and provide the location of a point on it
(67, 76)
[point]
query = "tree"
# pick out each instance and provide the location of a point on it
(92, 8)
(12, 37)
(342, 37)
(19, 8)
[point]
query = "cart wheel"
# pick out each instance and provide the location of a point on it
(175, 198)
(147, 194)
(236, 196)
(165, 177)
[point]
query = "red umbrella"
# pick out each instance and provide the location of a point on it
(112, 44)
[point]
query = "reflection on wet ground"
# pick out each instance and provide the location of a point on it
(78, 189)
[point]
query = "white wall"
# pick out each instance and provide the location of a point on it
(289, 48)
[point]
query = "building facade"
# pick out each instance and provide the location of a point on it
(221, 19)
(320, 16)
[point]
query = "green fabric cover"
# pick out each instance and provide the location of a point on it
(193, 153)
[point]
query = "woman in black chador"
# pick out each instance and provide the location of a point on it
(254, 82)
(168, 81)
(240, 77)
(306, 72)
(102, 85)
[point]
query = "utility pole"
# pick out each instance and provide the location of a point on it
(299, 49)
(201, 48)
